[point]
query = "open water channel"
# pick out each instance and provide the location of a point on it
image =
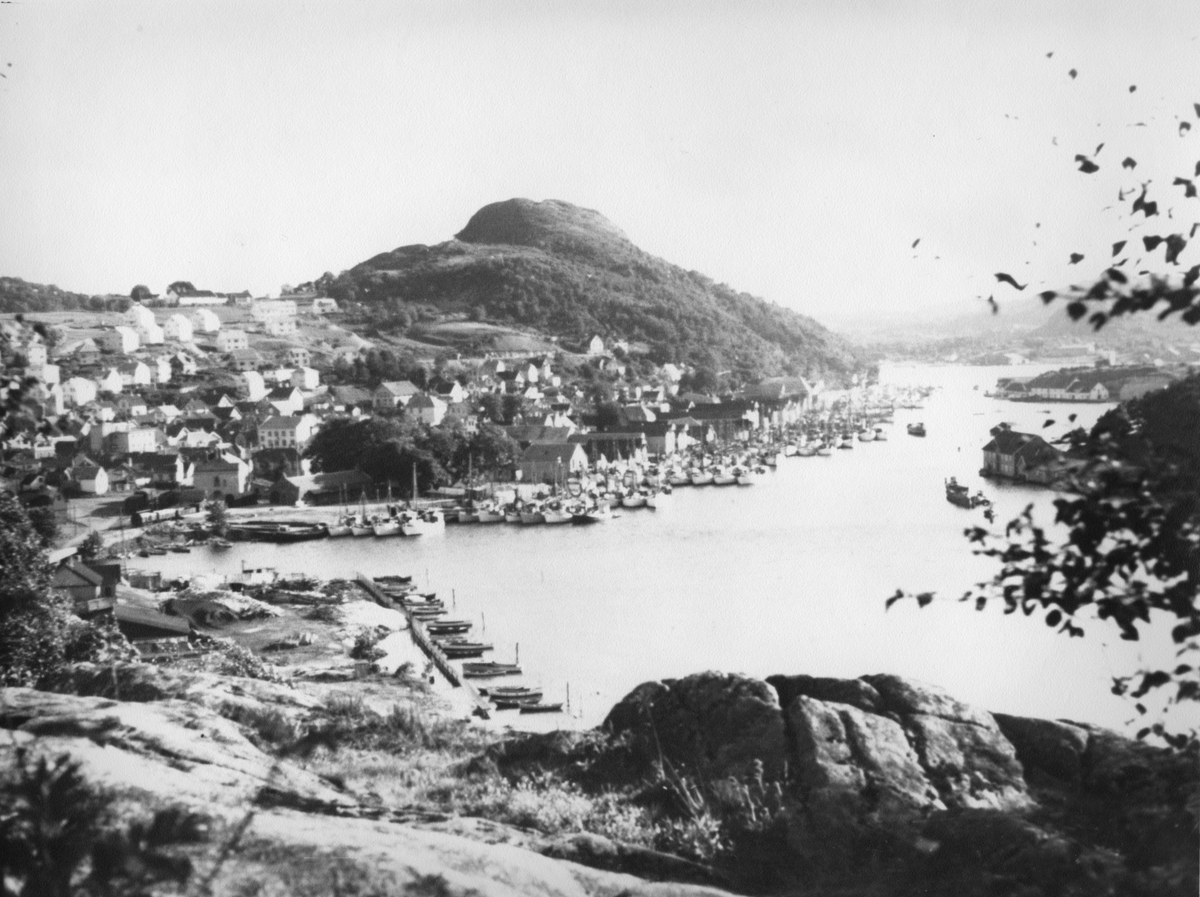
(786, 576)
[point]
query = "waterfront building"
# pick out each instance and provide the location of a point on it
(549, 462)
(226, 476)
(1020, 456)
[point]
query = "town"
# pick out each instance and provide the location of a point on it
(195, 396)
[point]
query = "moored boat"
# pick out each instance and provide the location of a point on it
(917, 429)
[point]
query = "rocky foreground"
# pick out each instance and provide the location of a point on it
(872, 786)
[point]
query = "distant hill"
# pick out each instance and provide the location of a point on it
(569, 273)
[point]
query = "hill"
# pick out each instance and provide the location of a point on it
(569, 273)
(17, 295)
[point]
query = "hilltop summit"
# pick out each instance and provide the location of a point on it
(552, 225)
(568, 273)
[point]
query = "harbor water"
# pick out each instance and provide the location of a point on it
(789, 575)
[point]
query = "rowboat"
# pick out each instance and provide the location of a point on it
(917, 429)
(540, 708)
(483, 669)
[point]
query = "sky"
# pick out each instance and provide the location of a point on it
(791, 150)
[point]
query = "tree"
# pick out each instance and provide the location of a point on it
(140, 293)
(218, 518)
(91, 546)
(32, 621)
(1132, 513)
(491, 405)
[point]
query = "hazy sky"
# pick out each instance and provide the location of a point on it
(791, 150)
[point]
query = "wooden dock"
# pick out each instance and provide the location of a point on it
(426, 644)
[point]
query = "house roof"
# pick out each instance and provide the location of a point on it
(74, 572)
(1027, 445)
(550, 451)
(141, 616)
(281, 422)
(399, 387)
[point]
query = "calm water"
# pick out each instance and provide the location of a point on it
(787, 576)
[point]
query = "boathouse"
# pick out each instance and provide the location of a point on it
(548, 462)
(1020, 456)
(321, 488)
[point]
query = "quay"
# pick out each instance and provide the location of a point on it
(422, 640)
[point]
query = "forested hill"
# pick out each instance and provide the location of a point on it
(18, 295)
(568, 272)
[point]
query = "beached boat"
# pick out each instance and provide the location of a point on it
(916, 429)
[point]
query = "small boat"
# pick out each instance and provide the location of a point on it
(491, 515)
(960, 495)
(555, 515)
(744, 476)
(219, 544)
(540, 708)
(659, 499)
(181, 549)
(916, 429)
(597, 514)
(448, 627)
(866, 436)
(724, 477)
(468, 515)
(463, 649)
(701, 478)
(633, 500)
(522, 693)
(483, 669)
(880, 436)
(336, 530)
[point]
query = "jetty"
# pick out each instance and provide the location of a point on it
(422, 640)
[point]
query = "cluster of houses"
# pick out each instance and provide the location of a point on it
(1102, 383)
(183, 410)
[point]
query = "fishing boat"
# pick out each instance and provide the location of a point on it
(555, 514)
(701, 477)
(745, 476)
(866, 435)
(880, 436)
(659, 499)
(724, 477)
(958, 494)
(361, 524)
(633, 499)
(532, 515)
(678, 478)
(917, 429)
(339, 529)
(596, 514)
(490, 514)
(180, 549)
(385, 526)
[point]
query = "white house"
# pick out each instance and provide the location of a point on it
(280, 327)
(134, 373)
(93, 479)
(255, 387)
(138, 316)
(35, 354)
(120, 339)
(160, 369)
(298, 357)
(151, 334)
(111, 381)
(429, 409)
(596, 346)
(323, 306)
(392, 394)
(306, 378)
(179, 328)
(204, 321)
(138, 439)
(291, 431)
(47, 373)
(79, 391)
(229, 340)
(264, 310)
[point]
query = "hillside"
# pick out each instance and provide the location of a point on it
(17, 295)
(570, 273)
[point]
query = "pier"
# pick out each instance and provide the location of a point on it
(422, 640)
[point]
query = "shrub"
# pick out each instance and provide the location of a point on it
(365, 642)
(230, 659)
